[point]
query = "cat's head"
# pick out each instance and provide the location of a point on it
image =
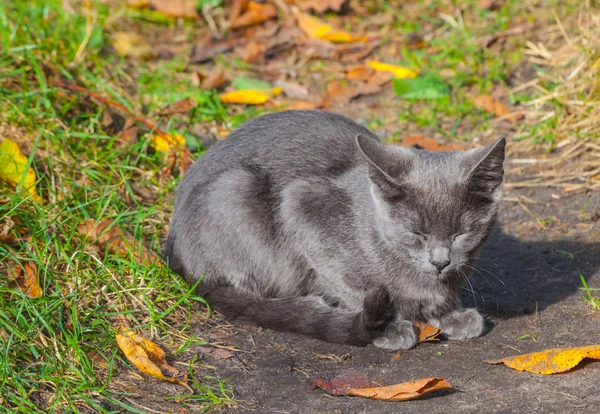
(435, 208)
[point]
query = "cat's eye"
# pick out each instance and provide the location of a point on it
(420, 235)
(456, 236)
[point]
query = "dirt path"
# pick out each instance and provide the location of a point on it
(525, 287)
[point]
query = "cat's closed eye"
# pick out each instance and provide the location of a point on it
(420, 235)
(457, 236)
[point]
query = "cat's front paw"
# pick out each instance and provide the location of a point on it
(461, 324)
(398, 335)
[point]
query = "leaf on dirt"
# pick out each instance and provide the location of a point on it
(183, 106)
(300, 105)
(423, 88)
(251, 51)
(114, 240)
(427, 332)
(26, 278)
(216, 353)
(148, 357)
(214, 80)
(496, 107)
(398, 71)
(320, 6)
(168, 142)
(337, 92)
(360, 73)
(430, 144)
(293, 90)
(402, 392)
(207, 49)
(249, 96)
(129, 133)
(550, 361)
(13, 166)
(130, 44)
(341, 382)
(316, 28)
(246, 83)
(176, 8)
(245, 13)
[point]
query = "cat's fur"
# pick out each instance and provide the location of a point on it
(303, 221)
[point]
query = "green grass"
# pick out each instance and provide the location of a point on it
(52, 345)
(587, 295)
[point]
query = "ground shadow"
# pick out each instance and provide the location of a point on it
(516, 277)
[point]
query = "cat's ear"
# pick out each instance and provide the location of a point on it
(386, 167)
(486, 169)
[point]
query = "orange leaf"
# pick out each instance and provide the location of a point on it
(26, 278)
(430, 144)
(245, 13)
(316, 28)
(402, 392)
(115, 240)
(148, 357)
(427, 332)
(176, 8)
(214, 80)
(183, 106)
(494, 106)
(550, 361)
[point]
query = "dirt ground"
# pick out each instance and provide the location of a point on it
(525, 286)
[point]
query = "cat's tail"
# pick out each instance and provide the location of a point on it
(309, 315)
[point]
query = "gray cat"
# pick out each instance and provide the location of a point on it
(303, 221)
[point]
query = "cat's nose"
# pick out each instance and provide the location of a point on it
(440, 264)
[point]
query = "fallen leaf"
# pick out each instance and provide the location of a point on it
(340, 383)
(251, 51)
(176, 8)
(402, 392)
(494, 106)
(129, 133)
(422, 88)
(427, 332)
(245, 13)
(300, 105)
(316, 28)
(429, 144)
(398, 71)
(148, 357)
(130, 44)
(167, 142)
(216, 353)
(26, 278)
(13, 166)
(114, 240)
(360, 73)
(337, 92)
(249, 96)
(550, 361)
(321, 6)
(215, 80)
(293, 90)
(183, 106)
(207, 49)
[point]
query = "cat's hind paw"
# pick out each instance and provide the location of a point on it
(398, 335)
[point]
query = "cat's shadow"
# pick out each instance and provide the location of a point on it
(517, 277)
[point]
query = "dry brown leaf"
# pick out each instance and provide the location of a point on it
(215, 80)
(206, 49)
(251, 51)
(430, 144)
(26, 278)
(337, 92)
(114, 240)
(300, 105)
(360, 73)
(129, 133)
(176, 8)
(550, 361)
(130, 44)
(148, 357)
(496, 107)
(245, 13)
(402, 392)
(293, 90)
(216, 353)
(320, 6)
(340, 383)
(183, 106)
(427, 332)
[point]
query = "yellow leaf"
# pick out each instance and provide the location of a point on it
(316, 28)
(249, 96)
(148, 357)
(165, 142)
(402, 392)
(550, 361)
(398, 71)
(26, 278)
(130, 44)
(12, 168)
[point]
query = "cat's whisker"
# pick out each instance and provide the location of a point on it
(464, 276)
(489, 283)
(480, 269)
